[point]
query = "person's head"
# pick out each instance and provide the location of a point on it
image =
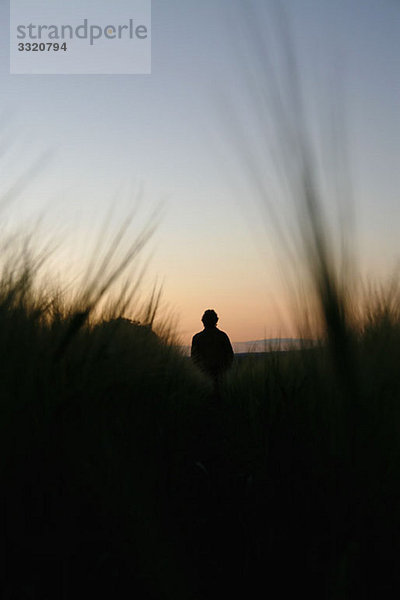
(210, 318)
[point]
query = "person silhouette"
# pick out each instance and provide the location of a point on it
(212, 350)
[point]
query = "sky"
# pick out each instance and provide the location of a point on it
(192, 141)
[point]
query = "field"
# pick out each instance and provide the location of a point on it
(122, 475)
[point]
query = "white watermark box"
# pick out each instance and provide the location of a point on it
(80, 37)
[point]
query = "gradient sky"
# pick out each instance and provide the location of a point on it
(178, 135)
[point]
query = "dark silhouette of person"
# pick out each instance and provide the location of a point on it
(211, 349)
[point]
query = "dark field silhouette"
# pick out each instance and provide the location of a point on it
(119, 474)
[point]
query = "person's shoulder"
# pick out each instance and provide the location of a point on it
(222, 334)
(197, 336)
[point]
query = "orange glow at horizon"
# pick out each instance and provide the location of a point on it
(246, 317)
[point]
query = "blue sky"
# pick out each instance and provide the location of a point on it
(176, 132)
